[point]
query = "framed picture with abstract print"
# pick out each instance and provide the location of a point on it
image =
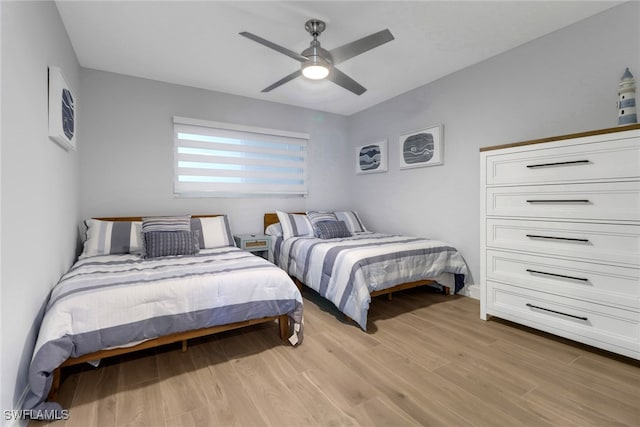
(422, 148)
(62, 111)
(372, 158)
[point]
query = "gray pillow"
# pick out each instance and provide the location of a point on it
(332, 229)
(170, 243)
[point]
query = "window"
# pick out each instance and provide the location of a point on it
(222, 159)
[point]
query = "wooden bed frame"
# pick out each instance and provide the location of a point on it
(272, 218)
(283, 327)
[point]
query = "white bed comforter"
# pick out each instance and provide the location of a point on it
(120, 300)
(346, 271)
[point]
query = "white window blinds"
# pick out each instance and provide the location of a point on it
(222, 159)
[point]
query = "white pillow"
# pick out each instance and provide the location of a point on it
(294, 225)
(215, 232)
(274, 230)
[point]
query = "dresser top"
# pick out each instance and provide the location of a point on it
(569, 136)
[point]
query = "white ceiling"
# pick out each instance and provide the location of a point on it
(197, 43)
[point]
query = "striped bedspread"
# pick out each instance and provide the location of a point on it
(346, 271)
(120, 300)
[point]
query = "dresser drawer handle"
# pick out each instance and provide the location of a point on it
(535, 236)
(559, 201)
(557, 275)
(574, 162)
(557, 312)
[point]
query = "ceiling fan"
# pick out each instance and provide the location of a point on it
(318, 63)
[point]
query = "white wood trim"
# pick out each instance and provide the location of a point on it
(471, 291)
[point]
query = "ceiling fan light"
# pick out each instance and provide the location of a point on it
(315, 72)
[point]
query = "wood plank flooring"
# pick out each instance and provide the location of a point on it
(427, 360)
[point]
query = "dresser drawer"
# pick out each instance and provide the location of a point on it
(603, 243)
(603, 326)
(610, 160)
(612, 201)
(597, 283)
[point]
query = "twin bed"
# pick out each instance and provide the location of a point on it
(119, 297)
(357, 265)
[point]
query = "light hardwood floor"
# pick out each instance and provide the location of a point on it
(427, 359)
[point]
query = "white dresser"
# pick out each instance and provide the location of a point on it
(560, 236)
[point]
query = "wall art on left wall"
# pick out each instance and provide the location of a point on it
(62, 110)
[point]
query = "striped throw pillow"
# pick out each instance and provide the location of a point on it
(295, 225)
(315, 217)
(166, 223)
(112, 237)
(214, 232)
(351, 218)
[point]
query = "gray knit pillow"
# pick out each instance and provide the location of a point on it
(170, 243)
(332, 229)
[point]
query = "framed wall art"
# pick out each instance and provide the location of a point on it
(422, 148)
(372, 158)
(62, 110)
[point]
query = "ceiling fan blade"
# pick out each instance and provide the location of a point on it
(283, 80)
(349, 50)
(341, 79)
(276, 47)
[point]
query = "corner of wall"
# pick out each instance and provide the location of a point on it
(471, 291)
(17, 421)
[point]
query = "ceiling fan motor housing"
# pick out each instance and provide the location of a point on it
(315, 27)
(314, 52)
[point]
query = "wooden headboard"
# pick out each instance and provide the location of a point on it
(272, 218)
(139, 218)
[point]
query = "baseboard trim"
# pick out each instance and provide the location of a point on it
(471, 291)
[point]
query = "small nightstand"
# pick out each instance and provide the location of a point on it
(258, 243)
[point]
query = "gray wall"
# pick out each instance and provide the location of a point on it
(39, 182)
(127, 149)
(562, 83)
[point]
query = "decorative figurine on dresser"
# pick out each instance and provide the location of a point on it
(627, 113)
(560, 236)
